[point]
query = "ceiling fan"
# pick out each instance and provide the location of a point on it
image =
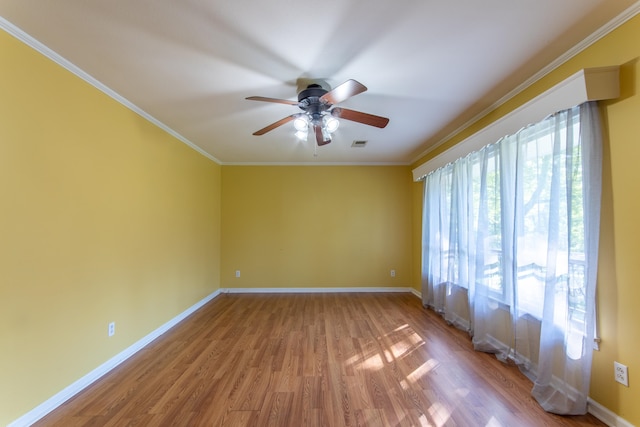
(319, 111)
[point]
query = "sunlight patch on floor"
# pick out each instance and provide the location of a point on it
(404, 346)
(462, 392)
(400, 328)
(439, 414)
(422, 370)
(423, 420)
(493, 423)
(373, 363)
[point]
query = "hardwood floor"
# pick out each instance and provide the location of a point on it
(311, 360)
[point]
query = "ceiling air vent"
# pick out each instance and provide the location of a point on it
(357, 143)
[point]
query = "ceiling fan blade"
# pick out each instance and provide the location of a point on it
(319, 137)
(360, 117)
(343, 92)
(272, 126)
(265, 99)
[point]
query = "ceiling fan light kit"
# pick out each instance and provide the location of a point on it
(301, 123)
(319, 112)
(331, 124)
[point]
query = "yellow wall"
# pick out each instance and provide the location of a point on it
(619, 269)
(103, 217)
(417, 199)
(316, 226)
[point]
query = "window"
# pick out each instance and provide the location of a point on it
(514, 227)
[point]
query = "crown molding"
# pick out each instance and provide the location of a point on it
(69, 66)
(315, 164)
(616, 22)
(589, 84)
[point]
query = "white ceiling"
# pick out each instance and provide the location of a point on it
(430, 66)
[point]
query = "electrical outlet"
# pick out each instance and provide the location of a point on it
(237, 273)
(621, 373)
(393, 273)
(112, 328)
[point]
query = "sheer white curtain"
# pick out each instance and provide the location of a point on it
(510, 246)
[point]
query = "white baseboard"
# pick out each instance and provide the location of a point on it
(603, 414)
(312, 290)
(67, 393)
(59, 398)
(608, 417)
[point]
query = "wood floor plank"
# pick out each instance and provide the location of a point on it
(342, 359)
